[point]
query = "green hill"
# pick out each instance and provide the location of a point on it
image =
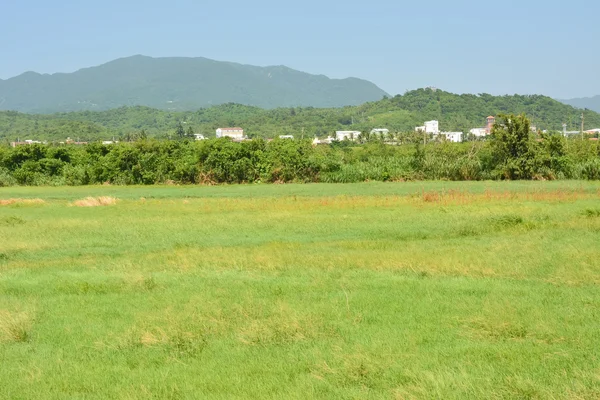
(179, 84)
(399, 114)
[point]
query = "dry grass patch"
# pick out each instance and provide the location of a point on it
(8, 202)
(461, 197)
(96, 201)
(358, 369)
(282, 325)
(15, 326)
(178, 338)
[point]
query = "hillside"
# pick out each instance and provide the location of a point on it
(401, 114)
(179, 84)
(591, 103)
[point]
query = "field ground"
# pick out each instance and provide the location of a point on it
(375, 290)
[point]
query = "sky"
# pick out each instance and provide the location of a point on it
(464, 46)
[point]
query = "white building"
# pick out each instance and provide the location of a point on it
(432, 127)
(479, 132)
(350, 135)
(199, 136)
(234, 133)
(455, 137)
(328, 140)
(286, 136)
(26, 142)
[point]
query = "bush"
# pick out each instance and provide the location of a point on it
(513, 153)
(590, 169)
(6, 178)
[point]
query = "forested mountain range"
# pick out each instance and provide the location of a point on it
(591, 103)
(400, 114)
(179, 84)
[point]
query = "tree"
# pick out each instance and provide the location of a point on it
(512, 146)
(190, 132)
(179, 131)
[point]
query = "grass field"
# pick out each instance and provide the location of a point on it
(399, 290)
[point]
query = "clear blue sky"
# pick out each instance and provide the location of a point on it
(465, 46)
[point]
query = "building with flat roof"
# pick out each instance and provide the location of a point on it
(234, 133)
(455, 137)
(25, 143)
(350, 135)
(432, 127)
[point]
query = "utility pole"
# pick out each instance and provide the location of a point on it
(582, 125)
(302, 132)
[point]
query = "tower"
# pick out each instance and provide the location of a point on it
(490, 124)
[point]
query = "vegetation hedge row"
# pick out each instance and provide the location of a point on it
(511, 153)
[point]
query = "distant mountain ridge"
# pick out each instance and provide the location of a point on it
(591, 103)
(179, 84)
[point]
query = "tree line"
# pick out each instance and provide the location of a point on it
(513, 152)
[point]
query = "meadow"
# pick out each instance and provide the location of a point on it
(415, 290)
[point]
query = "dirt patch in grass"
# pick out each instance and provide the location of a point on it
(96, 201)
(9, 202)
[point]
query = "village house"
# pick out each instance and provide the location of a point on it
(433, 128)
(318, 141)
(350, 135)
(24, 143)
(455, 137)
(234, 133)
(485, 131)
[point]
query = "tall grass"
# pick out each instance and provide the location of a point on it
(397, 290)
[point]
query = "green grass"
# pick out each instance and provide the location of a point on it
(399, 290)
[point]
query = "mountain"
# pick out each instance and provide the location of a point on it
(401, 113)
(179, 84)
(591, 103)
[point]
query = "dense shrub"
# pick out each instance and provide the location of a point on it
(513, 153)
